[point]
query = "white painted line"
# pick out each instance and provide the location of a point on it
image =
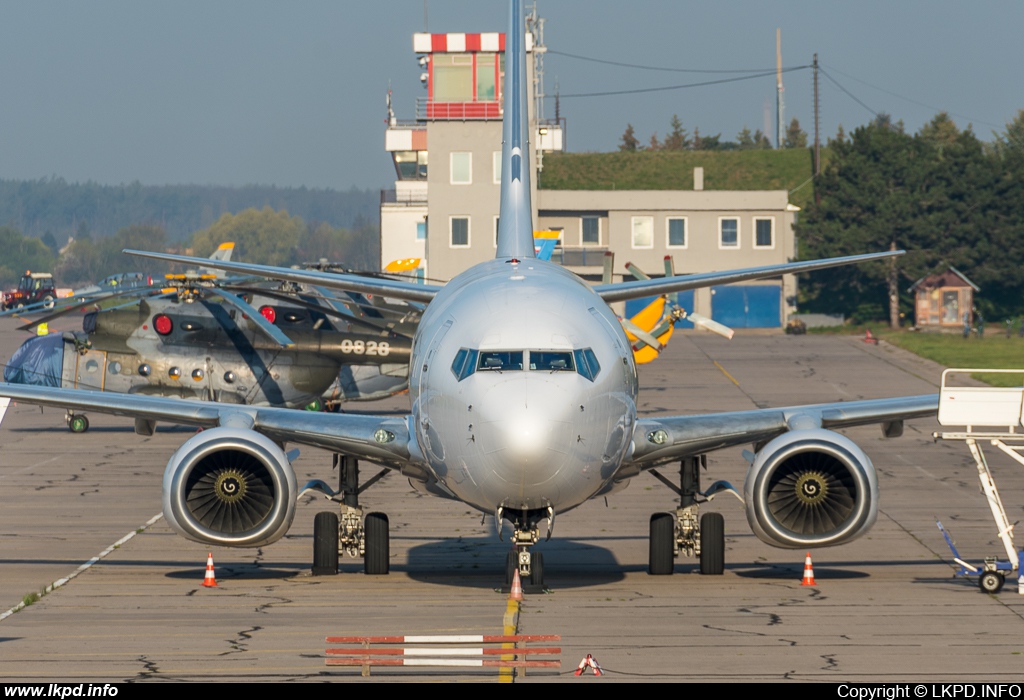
(60, 582)
(33, 466)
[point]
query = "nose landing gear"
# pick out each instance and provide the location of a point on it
(526, 533)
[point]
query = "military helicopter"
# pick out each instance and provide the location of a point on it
(198, 338)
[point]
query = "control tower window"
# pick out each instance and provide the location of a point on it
(453, 77)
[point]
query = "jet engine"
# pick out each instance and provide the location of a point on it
(231, 487)
(811, 488)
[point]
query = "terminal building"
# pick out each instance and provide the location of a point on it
(444, 206)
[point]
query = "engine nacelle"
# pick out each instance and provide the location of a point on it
(811, 488)
(230, 487)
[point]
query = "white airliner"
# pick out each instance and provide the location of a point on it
(523, 390)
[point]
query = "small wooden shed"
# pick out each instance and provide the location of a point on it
(942, 299)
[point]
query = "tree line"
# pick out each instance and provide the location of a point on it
(679, 139)
(941, 194)
(61, 209)
(264, 236)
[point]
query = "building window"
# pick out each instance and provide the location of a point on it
(590, 230)
(421, 230)
(643, 231)
(676, 233)
(728, 233)
(497, 167)
(459, 231)
(462, 168)
(764, 233)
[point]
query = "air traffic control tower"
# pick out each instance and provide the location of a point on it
(453, 151)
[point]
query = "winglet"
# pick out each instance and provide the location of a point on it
(515, 222)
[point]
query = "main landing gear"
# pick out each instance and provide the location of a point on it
(525, 534)
(77, 422)
(683, 532)
(348, 533)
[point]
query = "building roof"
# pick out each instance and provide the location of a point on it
(951, 277)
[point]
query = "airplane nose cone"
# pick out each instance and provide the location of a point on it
(525, 430)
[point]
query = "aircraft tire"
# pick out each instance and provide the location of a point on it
(661, 555)
(537, 569)
(991, 582)
(511, 564)
(78, 423)
(325, 544)
(376, 558)
(712, 544)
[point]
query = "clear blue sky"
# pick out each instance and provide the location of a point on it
(289, 94)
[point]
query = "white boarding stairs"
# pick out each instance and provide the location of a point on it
(992, 414)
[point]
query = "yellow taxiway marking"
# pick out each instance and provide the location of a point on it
(729, 376)
(505, 675)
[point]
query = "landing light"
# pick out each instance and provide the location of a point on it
(658, 437)
(383, 437)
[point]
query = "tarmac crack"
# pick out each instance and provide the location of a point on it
(151, 669)
(240, 643)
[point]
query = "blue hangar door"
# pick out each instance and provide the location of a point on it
(747, 306)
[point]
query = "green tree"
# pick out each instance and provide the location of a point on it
(867, 201)
(21, 253)
(262, 236)
(749, 142)
(677, 139)
(938, 195)
(795, 136)
(630, 142)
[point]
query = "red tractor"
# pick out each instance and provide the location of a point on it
(34, 287)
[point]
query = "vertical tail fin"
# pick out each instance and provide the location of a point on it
(515, 224)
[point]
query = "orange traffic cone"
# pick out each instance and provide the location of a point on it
(209, 581)
(588, 662)
(808, 572)
(517, 587)
(869, 338)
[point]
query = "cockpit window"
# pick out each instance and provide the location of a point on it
(464, 364)
(500, 360)
(586, 363)
(551, 361)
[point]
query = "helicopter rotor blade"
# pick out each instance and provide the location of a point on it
(268, 328)
(138, 291)
(325, 310)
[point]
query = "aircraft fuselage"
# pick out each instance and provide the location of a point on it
(523, 387)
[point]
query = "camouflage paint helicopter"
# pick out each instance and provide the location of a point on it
(199, 339)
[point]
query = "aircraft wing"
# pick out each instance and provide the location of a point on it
(658, 439)
(359, 436)
(409, 291)
(635, 289)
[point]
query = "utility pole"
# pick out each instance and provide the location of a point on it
(817, 138)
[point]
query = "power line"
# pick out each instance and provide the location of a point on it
(913, 101)
(681, 87)
(851, 95)
(655, 68)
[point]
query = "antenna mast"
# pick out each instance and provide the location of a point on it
(779, 106)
